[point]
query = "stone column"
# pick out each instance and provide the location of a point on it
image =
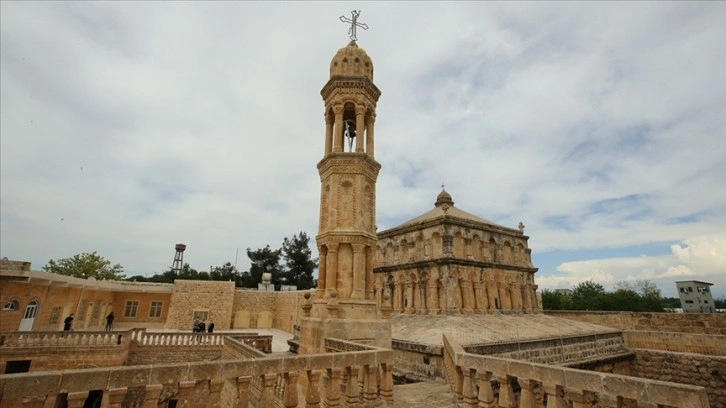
(505, 302)
(466, 296)
(151, 395)
(526, 398)
(358, 272)
(368, 268)
(479, 302)
(76, 399)
(369, 134)
(185, 393)
(266, 393)
(290, 397)
(329, 121)
(526, 300)
(486, 393)
(332, 397)
(243, 392)
(387, 383)
(331, 270)
(409, 298)
(516, 297)
(506, 393)
(322, 267)
(114, 397)
(338, 139)
(433, 295)
(359, 128)
(398, 297)
(468, 390)
(215, 394)
(469, 254)
(312, 394)
(370, 392)
(352, 396)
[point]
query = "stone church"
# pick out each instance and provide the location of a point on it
(452, 262)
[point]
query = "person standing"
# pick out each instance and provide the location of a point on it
(109, 321)
(68, 322)
(210, 328)
(202, 327)
(195, 327)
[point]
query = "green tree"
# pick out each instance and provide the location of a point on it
(587, 295)
(554, 300)
(86, 265)
(648, 293)
(264, 260)
(299, 262)
(226, 272)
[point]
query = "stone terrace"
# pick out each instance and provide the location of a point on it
(477, 329)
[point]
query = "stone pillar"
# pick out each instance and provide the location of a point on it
(359, 272)
(506, 394)
(114, 397)
(368, 268)
(352, 396)
(289, 399)
(526, 300)
(322, 267)
(243, 392)
(332, 396)
(338, 138)
(433, 296)
(409, 298)
(486, 393)
(467, 293)
(151, 395)
(185, 393)
(527, 398)
(266, 393)
(505, 302)
(370, 392)
(329, 121)
(554, 396)
(312, 394)
(387, 383)
(369, 134)
(77, 399)
(331, 269)
(215, 393)
(469, 389)
(479, 301)
(516, 297)
(493, 295)
(469, 254)
(398, 297)
(359, 128)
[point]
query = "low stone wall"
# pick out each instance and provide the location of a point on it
(697, 323)
(554, 350)
(713, 345)
(695, 369)
(419, 359)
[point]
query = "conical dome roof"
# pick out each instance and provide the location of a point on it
(352, 61)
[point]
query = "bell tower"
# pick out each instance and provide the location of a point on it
(344, 305)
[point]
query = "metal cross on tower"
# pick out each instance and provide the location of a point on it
(353, 24)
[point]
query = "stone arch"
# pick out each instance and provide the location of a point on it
(476, 248)
(436, 245)
(507, 254)
(403, 251)
(389, 253)
(459, 246)
(519, 254)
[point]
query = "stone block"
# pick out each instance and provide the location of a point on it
(122, 377)
(168, 374)
(83, 380)
(584, 380)
(521, 369)
(204, 370)
(682, 396)
(625, 387)
(31, 385)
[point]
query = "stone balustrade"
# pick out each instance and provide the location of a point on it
(65, 338)
(352, 378)
(178, 339)
(471, 378)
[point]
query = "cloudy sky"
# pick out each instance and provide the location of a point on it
(128, 127)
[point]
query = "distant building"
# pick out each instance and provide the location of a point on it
(696, 296)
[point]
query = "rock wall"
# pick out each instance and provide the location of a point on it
(50, 358)
(214, 297)
(714, 345)
(701, 323)
(685, 368)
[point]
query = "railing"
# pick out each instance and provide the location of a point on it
(65, 338)
(276, 378)
(144, 339)
(471, 376)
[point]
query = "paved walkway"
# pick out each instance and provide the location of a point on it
(428, 394)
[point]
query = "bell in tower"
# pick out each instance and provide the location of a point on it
(344, 305)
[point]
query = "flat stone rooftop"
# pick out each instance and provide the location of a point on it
(473, 329)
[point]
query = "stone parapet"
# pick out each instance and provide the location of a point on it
(470, 377)
(697, 323)
(712, 345)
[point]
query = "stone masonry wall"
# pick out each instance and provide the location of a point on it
(284, 306)
(714, 345)
(166, 355)
(50, 358)
(189, 295)
(702, 323)
(685, 368)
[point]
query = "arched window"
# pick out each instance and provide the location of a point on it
(13, 304)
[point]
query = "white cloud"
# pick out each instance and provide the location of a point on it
(699, 258)
(202, 122)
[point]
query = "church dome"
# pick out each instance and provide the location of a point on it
(352, 61)
(443, 198)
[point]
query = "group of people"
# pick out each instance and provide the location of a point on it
(200, 326)
(68, 322)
